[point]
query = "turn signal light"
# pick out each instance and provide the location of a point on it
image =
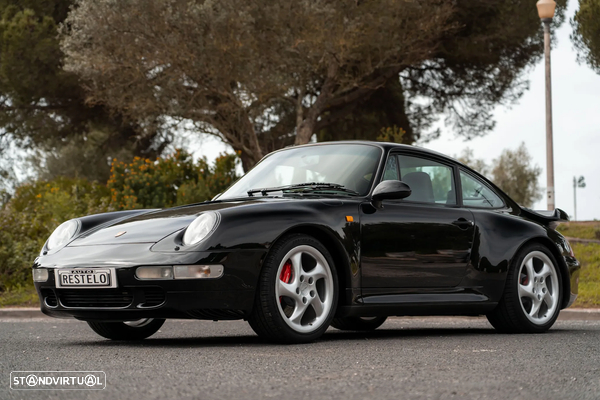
(154, 273)
(180, 272)
(198, 271)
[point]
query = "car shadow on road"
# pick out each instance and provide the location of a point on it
(330, 336)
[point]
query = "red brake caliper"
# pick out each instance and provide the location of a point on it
(286, 274)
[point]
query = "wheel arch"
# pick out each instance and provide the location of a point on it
(564, 271)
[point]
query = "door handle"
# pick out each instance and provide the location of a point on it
(463, 223)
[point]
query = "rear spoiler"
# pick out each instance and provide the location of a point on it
(550, 218)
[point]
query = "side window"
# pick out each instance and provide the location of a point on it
(391, 169)
(476, 194)
(430, 181)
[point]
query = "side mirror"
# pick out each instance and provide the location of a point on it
(388, 190)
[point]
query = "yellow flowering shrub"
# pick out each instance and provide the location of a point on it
(168, 181)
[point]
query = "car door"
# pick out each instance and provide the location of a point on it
(422, 241)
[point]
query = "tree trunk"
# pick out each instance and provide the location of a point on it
(248, 161)
(305, 129)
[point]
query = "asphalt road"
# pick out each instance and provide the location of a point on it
(407, 358)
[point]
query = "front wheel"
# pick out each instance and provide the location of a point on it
(532, 294)
(297, 291)
(127, 330)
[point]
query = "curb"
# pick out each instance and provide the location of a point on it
(580, 314)
(570, 314)
(22, 313)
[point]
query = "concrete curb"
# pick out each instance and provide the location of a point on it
(21, 313)
(580, 314)
(570, 314)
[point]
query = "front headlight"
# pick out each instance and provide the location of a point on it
(201, 227)
(62, 234)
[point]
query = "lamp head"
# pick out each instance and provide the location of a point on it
(546, 8)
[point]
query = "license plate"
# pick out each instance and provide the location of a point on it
(85, 278)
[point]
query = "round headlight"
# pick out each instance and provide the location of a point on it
(201, 227)
(62, 234)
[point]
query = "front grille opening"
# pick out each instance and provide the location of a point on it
(49, 297)
(154, 296)
(102, 298)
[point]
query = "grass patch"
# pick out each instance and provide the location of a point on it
(21, 297)
(581, 230)
(588, 255)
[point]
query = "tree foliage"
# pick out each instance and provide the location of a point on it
(512, 172)
(468, 158)
(264, 74)
(586, 33)
(168, 181)
(43, 107)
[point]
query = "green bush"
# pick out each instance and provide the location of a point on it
(31, 215)
(168, 181)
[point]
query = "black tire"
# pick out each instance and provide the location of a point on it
(134, 330)
(358, 323)
(528, 288)
(295, 299)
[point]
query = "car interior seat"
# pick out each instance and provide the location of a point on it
(420, 184)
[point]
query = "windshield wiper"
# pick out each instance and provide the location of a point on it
(303, 187)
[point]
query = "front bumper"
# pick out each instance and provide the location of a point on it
(229, 297)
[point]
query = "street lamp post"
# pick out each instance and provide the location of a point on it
(546, 12)
(577, 183)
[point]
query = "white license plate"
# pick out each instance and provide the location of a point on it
(85, 278)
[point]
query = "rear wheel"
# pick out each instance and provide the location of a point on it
(297, 292)
(358, 323)
(127, 330)
(532, 294)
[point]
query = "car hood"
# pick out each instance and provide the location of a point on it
(152, 226)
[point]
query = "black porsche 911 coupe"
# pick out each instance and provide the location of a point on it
(340, 234)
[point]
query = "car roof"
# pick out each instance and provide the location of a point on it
(383, 145)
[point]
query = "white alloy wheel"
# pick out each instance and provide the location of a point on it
(539, 287)
(304, 289)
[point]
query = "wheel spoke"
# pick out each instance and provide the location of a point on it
(296, 260)
(530, 270)
(545, 272)
(317, 272)
(317, 305)
(548, 299)
(298, 313)
(286, 289)
(527, 291)
(535, 308)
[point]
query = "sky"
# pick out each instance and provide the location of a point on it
(576, 125)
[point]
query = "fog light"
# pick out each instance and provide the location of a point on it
(40, 274)
(198, 271)
(154, 273)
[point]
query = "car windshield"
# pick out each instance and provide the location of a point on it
(345, 169)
